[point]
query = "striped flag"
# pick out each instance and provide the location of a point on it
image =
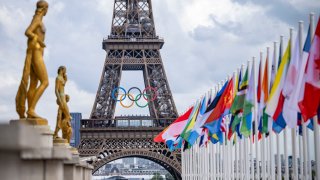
(213, 122)
(238, 103)
(263, 117)
(276, 98)
(192, 135)
(173, 131)
(192, 120)
(247, 107)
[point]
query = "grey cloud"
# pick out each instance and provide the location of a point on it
(286, 11)
(194, 61)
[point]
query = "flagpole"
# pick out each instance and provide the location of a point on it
(272, 162)
(227, 149)
(254, 118)
(268, 140)
(305, 144)
(246, 152)
(207, 161)
(236, 152)
(256, 138)
(301, 157)
(222, 150)
(233, 174)
(184, 164)
(299, 139)
(293, 130)
(286, 163)
(279, 169)
(200, 162)
(315, 119)
(210, 170)
(241, 156)
(192, 170)
(187, 164)
(262, 143)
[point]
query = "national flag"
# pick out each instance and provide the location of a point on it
(216, 137)
(263, 121)
(216, 100)
(204, 138)
(273, 71)
(236, 89)
(280, 55)
(234, 141)
(272, 77)
(292, 102)
(221, 108)
(203, 116)
(238, 103)
(310, 97)
(209, 98)
(247, 107)
(259, 114)
(192, 135)
(290, 115)
(174, 129)
(276, 99)
(192, 119)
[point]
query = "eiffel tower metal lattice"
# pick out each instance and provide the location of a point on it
(132, 45)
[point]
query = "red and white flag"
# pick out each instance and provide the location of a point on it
(290, 115)
(310, 90)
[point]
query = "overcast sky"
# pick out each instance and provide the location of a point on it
(205, 40)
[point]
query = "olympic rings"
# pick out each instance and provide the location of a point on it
(139, 104)
(114, 92)
(134, 99)
(150, 88)
(149, 97)
(129, 106)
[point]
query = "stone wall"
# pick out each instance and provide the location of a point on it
(27, 152)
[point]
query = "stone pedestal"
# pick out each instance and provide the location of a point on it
(39, 125)
(27, 152)
(75, 169)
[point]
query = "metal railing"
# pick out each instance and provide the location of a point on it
(124, 122)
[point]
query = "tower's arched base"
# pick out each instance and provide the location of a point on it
(169, 164)
(113, 149)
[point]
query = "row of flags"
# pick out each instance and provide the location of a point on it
(291, 96)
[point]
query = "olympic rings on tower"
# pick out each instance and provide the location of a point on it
(134, 99)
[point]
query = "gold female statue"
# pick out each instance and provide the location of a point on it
(64, 117)
(60, 117)
(34, 67)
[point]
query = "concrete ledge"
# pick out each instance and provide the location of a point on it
(46, 135)
(18, 137)
(27, 152)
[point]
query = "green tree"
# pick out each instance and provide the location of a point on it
(157, 176)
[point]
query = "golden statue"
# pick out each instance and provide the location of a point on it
(34, 67)
(60, 117)
(64, 117)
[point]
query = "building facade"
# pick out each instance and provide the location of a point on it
(75, 123)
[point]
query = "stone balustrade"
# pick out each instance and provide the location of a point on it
(27, 152)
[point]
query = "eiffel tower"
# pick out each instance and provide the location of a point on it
(132, 45)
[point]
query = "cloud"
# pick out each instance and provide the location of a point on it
(80, 100)
(206, 40)
(284, 10)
